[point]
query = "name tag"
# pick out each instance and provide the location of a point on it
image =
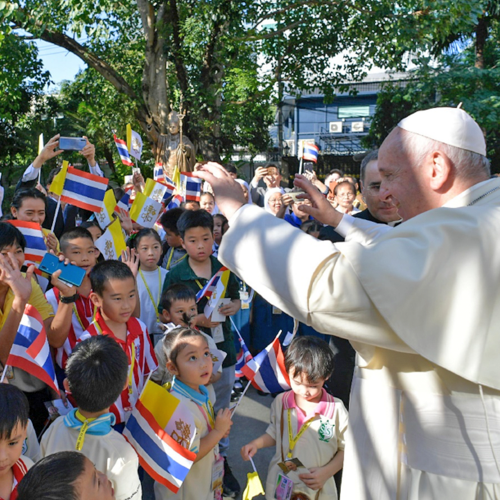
(217, 334)
(217, 475)
(284, 488)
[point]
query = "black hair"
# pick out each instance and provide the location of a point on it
(108, 270)
(223, 218)
(172, 342)
(73, 234)
(271, 165)
(53, 477)
(91, 223)
(343, 183)
(119, 193)
(230, 168)
(311, 356)
(51, 176)
(370, 156)
(174, 292)
(208, 193)
(169, 219)
(10, 235)
(14, 410)
(194, 218)
(22, 194)
(336, 171)
(97, 371)
(134, 242)
(184, 203)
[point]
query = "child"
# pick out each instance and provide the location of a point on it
(196, 231)
(75, 312)
(96, 373)
(306, 424)
(65, 475)
(93, 228)
(14, 411)
(207, 202)
(191, 205)
(220, 227)
(16, 290)
(190, 362)
(179, 308)
(114, 294)
(175, 252)
(147, 244)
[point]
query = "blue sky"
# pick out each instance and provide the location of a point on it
(63, 65)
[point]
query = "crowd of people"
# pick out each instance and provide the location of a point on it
(373, 278)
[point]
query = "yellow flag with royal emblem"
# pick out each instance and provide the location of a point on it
(112, 243)
(105, 216)
(145, 211)
(57, 185)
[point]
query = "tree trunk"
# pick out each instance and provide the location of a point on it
(481, 36)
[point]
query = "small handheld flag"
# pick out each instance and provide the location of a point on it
(175, 202)
(30, 351)
(211, 285)
(35, 243)
(310, 152)
(57, 185)
(145, 211)
(159, 173)
(192, 186)
(158, 191)
(134, 142)
(267, 370)
(123, 206)
(84, 190)
(123, 151)
(161, 429)
(254, 484)
(112, 243)
(105, 216)
(242, 359)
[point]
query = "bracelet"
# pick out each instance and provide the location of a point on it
(68, 300)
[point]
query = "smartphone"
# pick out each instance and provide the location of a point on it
(308, 167)
(70, 273)
(72, 143)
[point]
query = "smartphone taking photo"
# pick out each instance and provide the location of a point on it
(72, 143)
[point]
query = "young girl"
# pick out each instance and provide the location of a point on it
(220, 227)
(207, 202)
(150, 278)
(306, 424)
(188, 359)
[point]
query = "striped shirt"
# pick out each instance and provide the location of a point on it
(83, 315)
(19, 470)
(141, 359)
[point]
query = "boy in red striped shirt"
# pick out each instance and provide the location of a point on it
(114, 293)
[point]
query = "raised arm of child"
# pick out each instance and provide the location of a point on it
(250, 449)
(317, 476)
(221, 429)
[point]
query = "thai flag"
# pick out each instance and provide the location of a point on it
(243, 358)
(267, 370)
(192, 186)
(123, 151)
(35, 242)
(30, 351)
(169, 191)
(84, 190)
(158, 173)
(310, 152)
(161, 456)
(123, 206)
(175, 202)
(211, 285)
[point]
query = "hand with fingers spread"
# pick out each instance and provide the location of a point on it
(228, 193)
(320, 208)
(10, 274)
(131, 259)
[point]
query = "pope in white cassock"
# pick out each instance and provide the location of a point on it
(420, 304)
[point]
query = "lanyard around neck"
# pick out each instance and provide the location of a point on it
(155, 304)
(170, 258)
(292, 441)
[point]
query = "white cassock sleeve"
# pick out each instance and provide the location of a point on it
(307, 278)
(360, 230)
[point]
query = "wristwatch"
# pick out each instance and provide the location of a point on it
(68, 300)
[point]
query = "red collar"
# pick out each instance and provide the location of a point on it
(134, 329)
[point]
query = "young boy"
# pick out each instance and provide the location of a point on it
(96, 374)
(14, 409)
(196, 231)
(64, 475)
(75, 312)
(16, 290)
(114, 294)
(175, 252)
(178, 303)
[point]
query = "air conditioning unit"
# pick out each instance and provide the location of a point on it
(291, 146)
(357, 126)
(335, 127)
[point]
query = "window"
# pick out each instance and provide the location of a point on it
(353, 111)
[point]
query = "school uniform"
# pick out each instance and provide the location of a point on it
(149, 287)
(141, 359)
(107, 449)
(19, 470)
(198, 482)
(323, 437)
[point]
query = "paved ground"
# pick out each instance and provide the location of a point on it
(250, 421)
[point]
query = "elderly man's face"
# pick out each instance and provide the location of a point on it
(383, 210)
(403, 183)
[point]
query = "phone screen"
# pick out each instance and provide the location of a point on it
(72, 143)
